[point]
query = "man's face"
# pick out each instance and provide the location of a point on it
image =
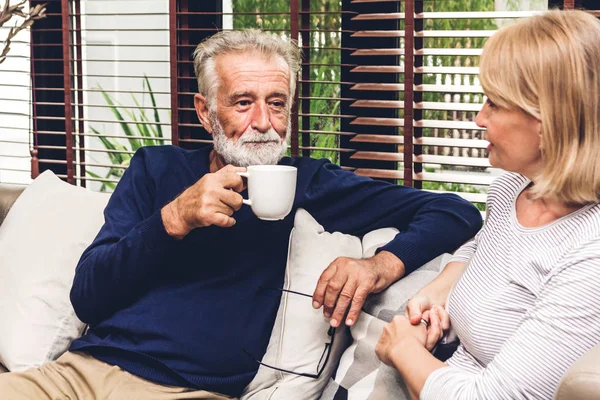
(251, 120)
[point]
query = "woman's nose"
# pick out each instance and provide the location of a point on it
(480, 119)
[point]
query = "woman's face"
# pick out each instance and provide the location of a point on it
(514, 137)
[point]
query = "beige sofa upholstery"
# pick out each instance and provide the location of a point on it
(581, 382)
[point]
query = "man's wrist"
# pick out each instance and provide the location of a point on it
(391, 268)
(173, 222)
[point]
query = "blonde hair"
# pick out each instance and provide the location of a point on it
(251, 41)
(548, 66)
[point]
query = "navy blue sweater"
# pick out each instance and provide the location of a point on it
(181, 312)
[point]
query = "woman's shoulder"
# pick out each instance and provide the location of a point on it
(505, 187)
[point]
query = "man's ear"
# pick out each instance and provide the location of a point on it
(202, 110)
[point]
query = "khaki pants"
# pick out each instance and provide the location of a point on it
(78, 376)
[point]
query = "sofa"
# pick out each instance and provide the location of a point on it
(581, 382)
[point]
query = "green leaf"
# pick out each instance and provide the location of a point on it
(135, 144)
(153, 100)
(105, 184)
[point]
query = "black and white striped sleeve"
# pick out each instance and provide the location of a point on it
(563, 324)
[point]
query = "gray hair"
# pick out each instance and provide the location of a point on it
(241, 41)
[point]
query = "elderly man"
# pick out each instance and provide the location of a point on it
(172, 280)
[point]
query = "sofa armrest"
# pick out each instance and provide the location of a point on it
(582, 380)
(8, 195)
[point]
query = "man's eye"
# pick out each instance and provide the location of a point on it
(278, 104)
(244, 103)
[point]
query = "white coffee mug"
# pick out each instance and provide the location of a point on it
(271, 190)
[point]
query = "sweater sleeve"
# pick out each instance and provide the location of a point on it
(561, 327)
(429, 223)
(119, 265)
(466, 251)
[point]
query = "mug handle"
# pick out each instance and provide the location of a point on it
(245, 175)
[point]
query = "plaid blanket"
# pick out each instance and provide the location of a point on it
(360, 374)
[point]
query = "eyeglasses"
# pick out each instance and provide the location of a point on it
(324, 355)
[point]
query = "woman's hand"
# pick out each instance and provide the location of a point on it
(397, 332)
(439, 324)
(423, 307)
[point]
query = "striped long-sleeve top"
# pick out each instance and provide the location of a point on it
(528, 305)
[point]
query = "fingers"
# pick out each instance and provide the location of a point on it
(341, 302)
(415, 308)
(230, 169)
(319, 294)
(334, 287)
(444, 317)
(357, 303)
(229, 179)
(439, 323)
(434, 330)
(345, 283)
(231, 200)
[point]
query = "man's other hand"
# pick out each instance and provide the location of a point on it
(210, 201)
(347, 282)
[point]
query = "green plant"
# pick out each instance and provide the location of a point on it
(138, 131)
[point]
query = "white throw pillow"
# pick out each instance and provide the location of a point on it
(41, 241)
(300, 332)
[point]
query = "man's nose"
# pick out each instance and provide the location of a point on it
(260, 117)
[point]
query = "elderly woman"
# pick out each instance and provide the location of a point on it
(528, 303)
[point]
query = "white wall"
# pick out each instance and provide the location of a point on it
(141, 53)
(14, 109)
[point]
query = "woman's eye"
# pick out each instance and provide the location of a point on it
(491, 103)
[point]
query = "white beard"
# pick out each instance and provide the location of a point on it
(251, 148)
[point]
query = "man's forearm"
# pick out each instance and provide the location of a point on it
(114, 272)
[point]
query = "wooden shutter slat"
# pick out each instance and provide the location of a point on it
(378, 104)
(454, 34)
(449, 88)
(378, 121)
(448, 52)
(378, 69)
(448, 124)
(448, 106)
(383, 139)
(423, 141)
(378, 52)
(455, 178)
(377, 156)
(476, 14)
(452, 142)
(379, 173)
(375, 34)
(452, 160)
(448, 70)
(378, 16)
(378, 87)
